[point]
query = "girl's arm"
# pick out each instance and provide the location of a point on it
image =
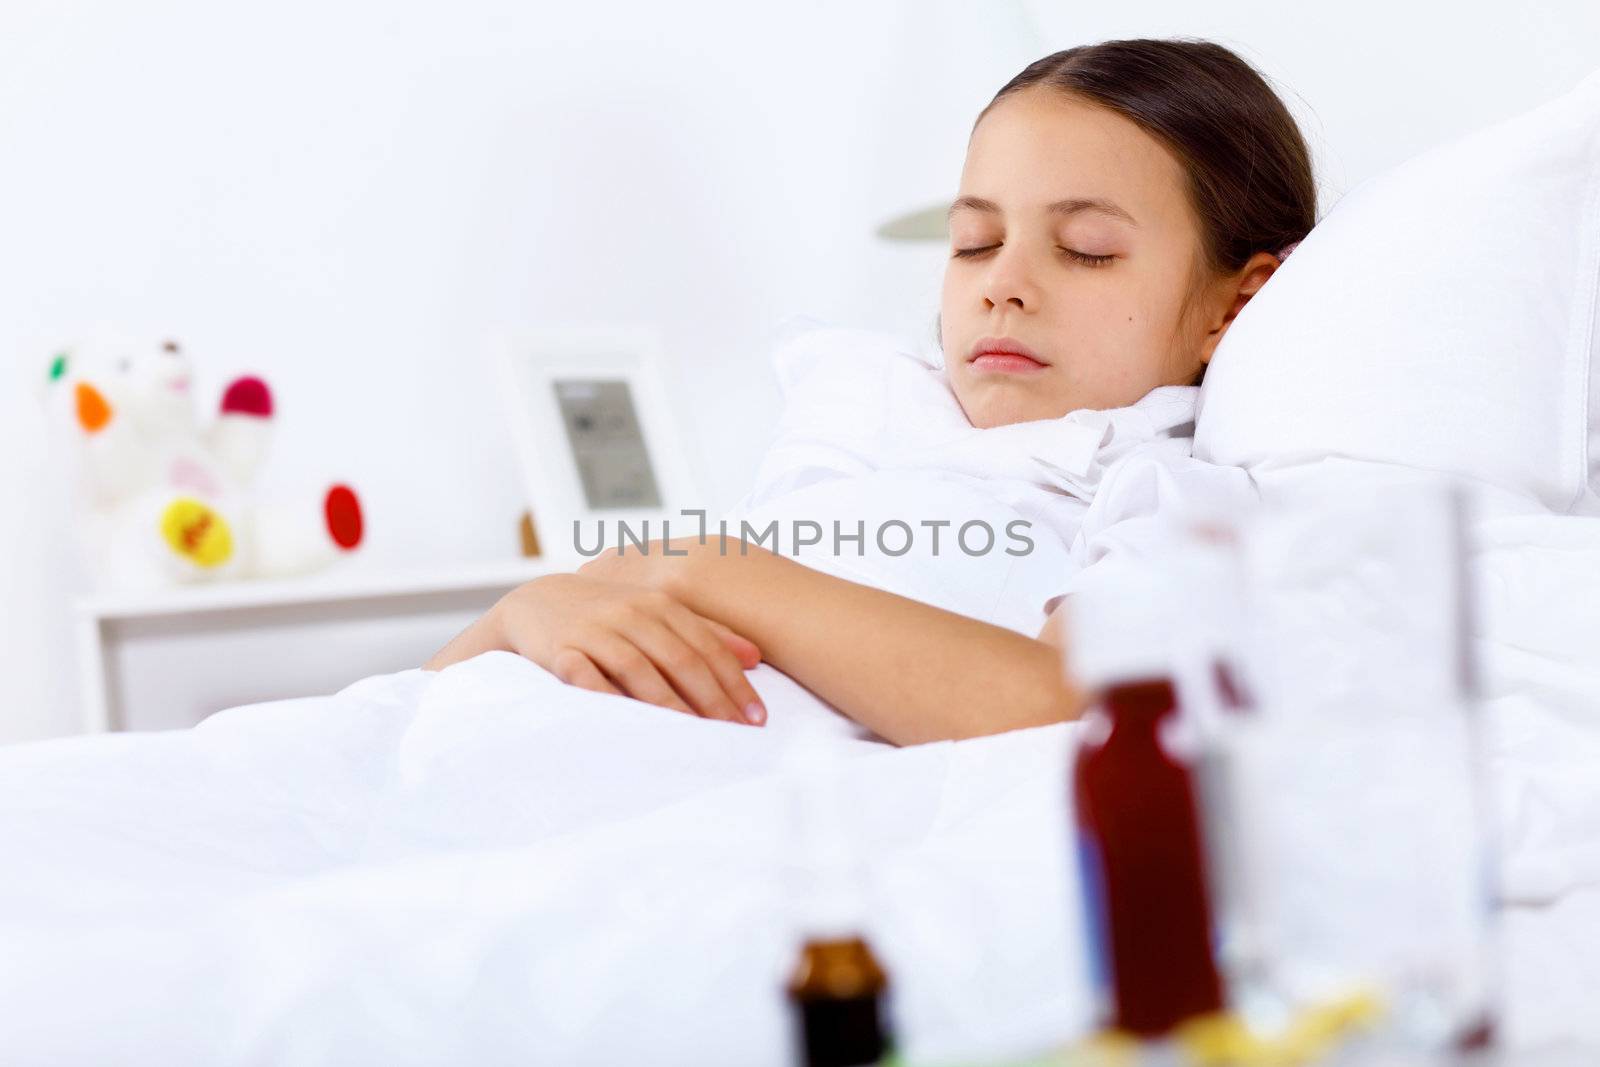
(618, 638)
(908, 671)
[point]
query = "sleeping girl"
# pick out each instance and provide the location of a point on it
(1118, 206)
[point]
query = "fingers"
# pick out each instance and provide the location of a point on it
(575, 668)
(632, 670)
(743, 648)
(649, 646)
(711, 640)
(685, 665)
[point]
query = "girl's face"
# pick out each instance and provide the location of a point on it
(1073, 237)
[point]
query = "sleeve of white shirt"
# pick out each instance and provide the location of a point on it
(1144, 502)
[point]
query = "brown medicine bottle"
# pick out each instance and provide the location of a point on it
(1142, 860)
(837, 991)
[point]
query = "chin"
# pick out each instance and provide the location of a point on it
(995, 411)
(995, 400)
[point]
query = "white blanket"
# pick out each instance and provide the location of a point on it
(484, 866)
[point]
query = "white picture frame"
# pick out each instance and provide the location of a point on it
(547, 378)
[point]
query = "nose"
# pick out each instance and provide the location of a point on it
(1011, 281)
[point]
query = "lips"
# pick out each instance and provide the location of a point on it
(1004, 354)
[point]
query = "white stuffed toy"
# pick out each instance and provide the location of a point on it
(168, 501)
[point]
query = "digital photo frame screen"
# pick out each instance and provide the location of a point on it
(607, 443)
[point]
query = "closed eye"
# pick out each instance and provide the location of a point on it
(1086, 259)
(1072, 253)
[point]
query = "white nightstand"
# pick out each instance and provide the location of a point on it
(167, 659)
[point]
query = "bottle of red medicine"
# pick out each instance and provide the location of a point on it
(1142, 864)
(1135, 797)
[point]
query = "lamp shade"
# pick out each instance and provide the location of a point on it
(931, 223)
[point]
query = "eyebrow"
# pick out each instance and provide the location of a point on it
(1070, 206)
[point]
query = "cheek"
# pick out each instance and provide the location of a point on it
(1142, 313)
(1115, 315)
(1123, 337)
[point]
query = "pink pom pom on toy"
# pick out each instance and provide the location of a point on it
(247, 396)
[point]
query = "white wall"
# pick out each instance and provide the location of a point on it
(350, 198)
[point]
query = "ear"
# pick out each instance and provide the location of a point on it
(1234, 293)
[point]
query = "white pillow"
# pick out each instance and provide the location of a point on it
(1442, 317)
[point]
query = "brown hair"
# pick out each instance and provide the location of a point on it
(1249, 169)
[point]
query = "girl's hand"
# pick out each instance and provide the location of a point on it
(678, 567)
(628, 639)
